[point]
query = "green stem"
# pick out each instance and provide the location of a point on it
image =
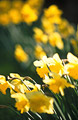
(5, 106)
(59, 109)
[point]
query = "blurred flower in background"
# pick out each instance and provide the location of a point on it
(32, 31)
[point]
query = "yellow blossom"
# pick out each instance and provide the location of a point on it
(14, 16)
(55, 65)
(53, 14)
(3, 84)
(55, 40)
(15, 75)
(40, 103)
(4, 19)
(20, 55)
(57, 84)
(29, 15)
(22, 103)
(41, 69)
(72, 66)
(52, 10)
(40, 36)
(39, 52)
(65, 28)
(47, 26)
(20, 86)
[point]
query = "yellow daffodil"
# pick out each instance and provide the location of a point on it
(55, 40)
(14, 16)
(65, 28)
(47, 26)
(20, 86)
(55, 65)
(53, 14)
(3, 84)
(72, 66)
(41, 69)
(4, 19)
(29, 15)
(40, 36)
(22, 103)
(57, 84)
(52, 10)
(39, 52)
(20, 55)
(40, 103)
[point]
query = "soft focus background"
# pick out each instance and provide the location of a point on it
(7, 61)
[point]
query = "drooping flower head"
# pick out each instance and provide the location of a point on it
(41, 69)
(40, 103)
(21, 85)
(22, 103)
(57, 83)
(3, 84)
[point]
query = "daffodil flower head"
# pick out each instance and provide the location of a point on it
(55, 64)
(22, 103)
(53, 14)
(29, 14)
(42, 68)
(72, 66)
(55, 40)
(57, 83)
(20, 54)
(3, 84)
(40, 36)
(40, 103)
(14, 16)
(4, 19)
(39, 52)
(20, 84)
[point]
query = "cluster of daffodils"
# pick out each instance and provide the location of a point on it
(19, 11)
(51, 34)
(28, 95)
(53, 28)
(53, 71)
(47, 33)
